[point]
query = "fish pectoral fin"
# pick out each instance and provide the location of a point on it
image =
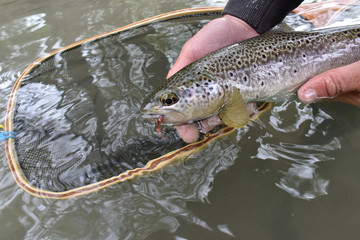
(235, 113)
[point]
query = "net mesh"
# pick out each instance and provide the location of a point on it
(77, 112)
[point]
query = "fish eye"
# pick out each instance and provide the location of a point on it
(169, 99)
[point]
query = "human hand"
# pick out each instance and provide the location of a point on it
(216, 34)
(339, 84)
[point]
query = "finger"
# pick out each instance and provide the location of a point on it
(188, 132)
(180, 63)
(187, 55)
(332, 84)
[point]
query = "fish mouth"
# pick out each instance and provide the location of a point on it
(170, 116)
(151, 117)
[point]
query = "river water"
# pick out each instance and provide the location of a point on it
(293, 174)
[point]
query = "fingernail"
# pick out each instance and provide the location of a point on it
(309, 95)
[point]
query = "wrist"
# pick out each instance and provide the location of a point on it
(240, 26)
(239, 23)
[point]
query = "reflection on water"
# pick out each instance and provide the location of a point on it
(23, 25)
(301, 179)
(249, 185)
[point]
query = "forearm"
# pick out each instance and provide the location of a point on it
(261, 14)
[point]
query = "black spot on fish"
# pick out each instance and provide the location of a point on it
(197, 85)
(203, 96)
(245, 78)
(262, 83)
(226, 86)
(295, 71)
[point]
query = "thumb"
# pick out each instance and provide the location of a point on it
(179, 64)
(339, 84)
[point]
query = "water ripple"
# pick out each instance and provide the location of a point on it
(23, 25)
(302, 151)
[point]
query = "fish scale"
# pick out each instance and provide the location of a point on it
(267, 68)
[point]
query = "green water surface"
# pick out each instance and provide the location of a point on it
(294, 174)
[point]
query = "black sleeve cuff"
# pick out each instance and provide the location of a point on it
(262, 15)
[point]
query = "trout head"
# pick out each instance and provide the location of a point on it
(190, 96)
(184, 100)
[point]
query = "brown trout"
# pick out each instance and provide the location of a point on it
(267, 68)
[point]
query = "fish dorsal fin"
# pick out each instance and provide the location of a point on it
(282, 27)
(235, 114)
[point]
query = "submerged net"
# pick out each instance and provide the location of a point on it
(77, 115)
(77, 110)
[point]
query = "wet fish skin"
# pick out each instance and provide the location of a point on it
(267, 68)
